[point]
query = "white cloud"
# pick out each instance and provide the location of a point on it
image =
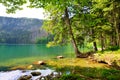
(26, 12)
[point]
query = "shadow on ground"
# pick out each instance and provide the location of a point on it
(88, 73)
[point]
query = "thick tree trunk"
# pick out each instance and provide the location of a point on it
(68, 24)
(117, 33)
(116, 17)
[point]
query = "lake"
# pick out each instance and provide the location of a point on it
(16, 54)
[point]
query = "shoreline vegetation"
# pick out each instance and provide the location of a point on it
(102, 66)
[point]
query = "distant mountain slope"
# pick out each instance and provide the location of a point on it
(20, 30)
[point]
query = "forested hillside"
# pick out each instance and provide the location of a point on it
(20, 30)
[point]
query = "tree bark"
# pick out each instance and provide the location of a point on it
(116, 17)
(68, 24)
(95, 46)
(102, 42)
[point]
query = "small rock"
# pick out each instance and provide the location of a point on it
(25, 77)
(39, 63)
(23, 71)
(35, 73)
(30, 67)
(42, 78)
(60, 57)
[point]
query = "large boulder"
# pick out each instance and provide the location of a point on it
(35, 73)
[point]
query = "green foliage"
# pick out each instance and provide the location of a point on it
(113, 48)
(13, 5)
(43, 40)
(59, 31)
(110, 74)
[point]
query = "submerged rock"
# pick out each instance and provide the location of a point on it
(35, 73)
(60, 57)
(25, 77)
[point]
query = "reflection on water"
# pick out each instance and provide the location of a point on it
(8, 52)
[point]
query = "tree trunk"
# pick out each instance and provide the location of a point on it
(68, 24)
(94, 43)
(113, 41)
(116, 17)
(102, 42)
(95, 46)
(119, 33)
(105, 42)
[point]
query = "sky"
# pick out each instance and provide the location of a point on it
(26, 12)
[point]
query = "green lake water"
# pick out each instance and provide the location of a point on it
(14, 54)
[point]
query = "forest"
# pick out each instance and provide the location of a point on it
(20, 30)
(84, 21)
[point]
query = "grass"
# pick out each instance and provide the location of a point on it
(74, 62)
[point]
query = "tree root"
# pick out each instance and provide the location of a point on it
(85, 55)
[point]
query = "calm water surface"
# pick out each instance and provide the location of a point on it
(8, 52)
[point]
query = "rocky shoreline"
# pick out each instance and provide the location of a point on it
(28, 74)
